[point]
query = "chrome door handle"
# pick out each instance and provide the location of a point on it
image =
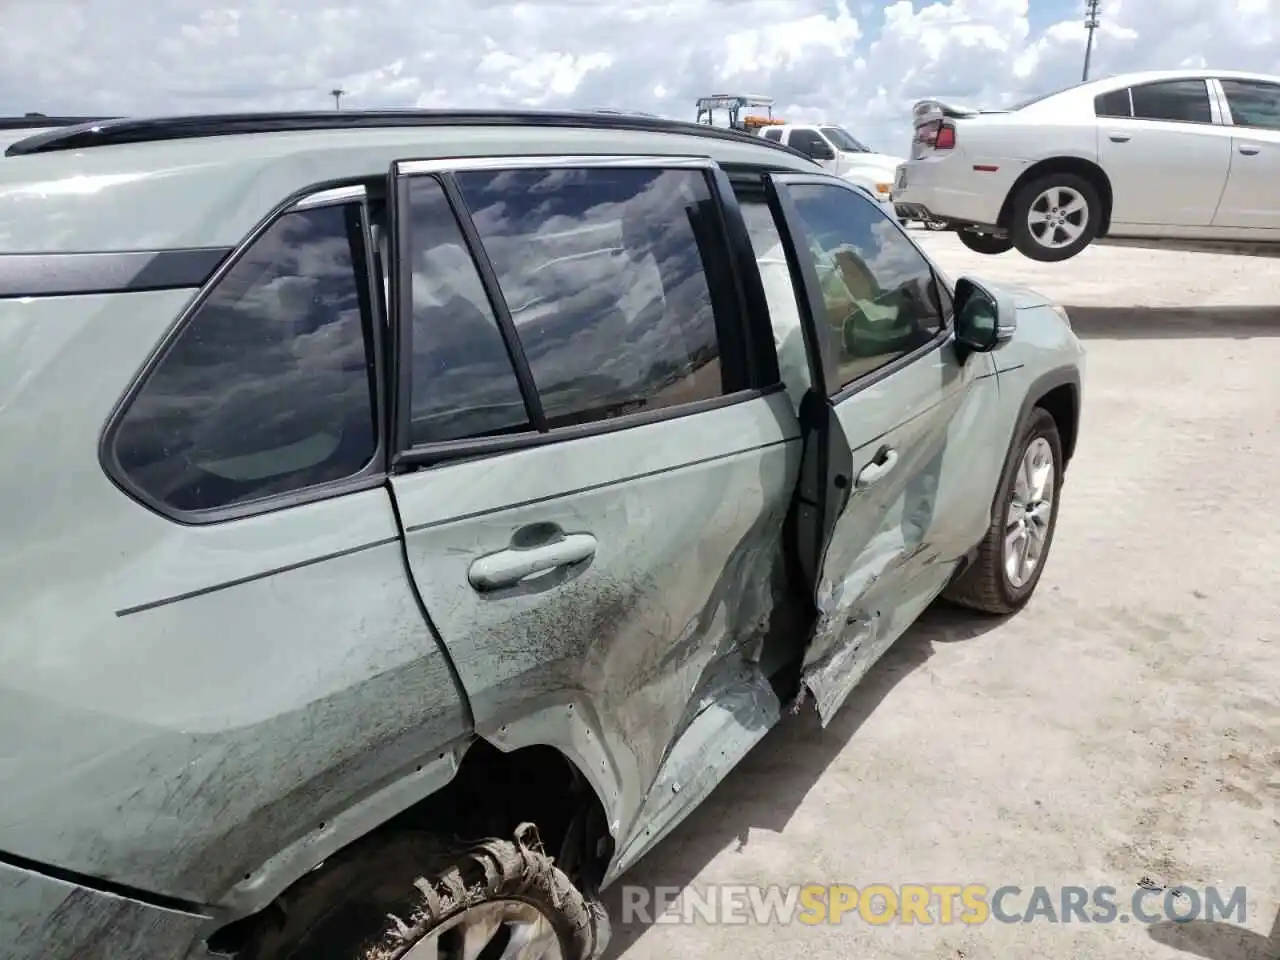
(1118, 137)
(1250, 149)
(886, 459)
(508, 567)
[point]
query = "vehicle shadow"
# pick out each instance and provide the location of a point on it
(755, 796)
(1162, 323)
(1214, 940)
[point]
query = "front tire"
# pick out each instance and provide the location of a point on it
(1012, 556)
(401, 895)
(1054, 217)
(985, 243)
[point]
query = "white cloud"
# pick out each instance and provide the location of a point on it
(857, 63)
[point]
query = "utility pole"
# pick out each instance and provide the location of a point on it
(1091, 24)
(337, 93)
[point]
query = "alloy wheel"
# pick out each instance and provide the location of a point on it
(1030, 513)
(1058, 217)
(497, 930)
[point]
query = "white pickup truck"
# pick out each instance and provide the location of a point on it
(837, 150)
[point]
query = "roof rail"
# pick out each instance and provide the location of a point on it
(109, 132)
(33, 121)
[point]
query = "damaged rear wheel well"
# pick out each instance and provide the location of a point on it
(490, 796)
(493, 792)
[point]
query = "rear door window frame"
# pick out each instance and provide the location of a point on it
(749, 357)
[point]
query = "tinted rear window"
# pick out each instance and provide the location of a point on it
(268, 388)
(1113, 104)
(1186, 101)
(1253, 103)
(613, 282)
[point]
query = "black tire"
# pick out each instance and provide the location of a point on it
(348, 909)
(985, 242)
(985, 585)
(1027, 194)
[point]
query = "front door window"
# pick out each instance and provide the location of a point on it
(880, 298)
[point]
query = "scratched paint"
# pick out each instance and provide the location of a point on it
(46, 919)
(688, 526)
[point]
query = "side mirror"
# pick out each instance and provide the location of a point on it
(985, 320)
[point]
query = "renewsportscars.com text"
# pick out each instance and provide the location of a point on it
(932, 903)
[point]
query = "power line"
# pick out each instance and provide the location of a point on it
(1091, 24)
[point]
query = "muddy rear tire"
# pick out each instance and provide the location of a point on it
(380, 899)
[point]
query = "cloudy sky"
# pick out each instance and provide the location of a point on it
(858, 62)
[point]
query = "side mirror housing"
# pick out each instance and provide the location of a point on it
(985, 319)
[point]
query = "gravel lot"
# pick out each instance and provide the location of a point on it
(1124, 729)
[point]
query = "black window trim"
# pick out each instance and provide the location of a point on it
(755, 332)
(792, 228)
(743, 354)
(1215, 110)
(497, 303)
(86, 273)
(344, 192)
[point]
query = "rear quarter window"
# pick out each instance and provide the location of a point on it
(268, 387)
(1113, 104)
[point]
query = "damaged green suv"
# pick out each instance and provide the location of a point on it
(412, 516)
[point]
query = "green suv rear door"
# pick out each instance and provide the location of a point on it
(591, 493)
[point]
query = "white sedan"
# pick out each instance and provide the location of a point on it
(1187, 157)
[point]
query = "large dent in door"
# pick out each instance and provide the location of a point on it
(843, 633)
(857, 595)
(830, 670)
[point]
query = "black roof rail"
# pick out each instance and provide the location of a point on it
(101, 133)
(34, 120)
(617, 111)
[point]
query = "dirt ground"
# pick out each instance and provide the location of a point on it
(1123, 729)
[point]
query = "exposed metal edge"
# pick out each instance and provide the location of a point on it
(108, 887)
(348, 194)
